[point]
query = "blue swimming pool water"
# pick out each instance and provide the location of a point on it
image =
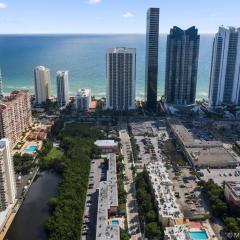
(115, 222)
(30, 149)
(201, 235)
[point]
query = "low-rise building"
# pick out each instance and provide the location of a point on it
(201, 153)
(177, 232)
(232, 192)
(168, 208)
(104, 228)
(112, 183)
(107, 146)
(108, 204)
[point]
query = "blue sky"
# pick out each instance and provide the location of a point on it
(113, 16)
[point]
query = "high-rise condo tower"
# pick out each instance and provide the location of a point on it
(121, 78)
(181, 66)
(42, 84)
(151, 69)
(8, 190)
(225, 71)
(62, 88)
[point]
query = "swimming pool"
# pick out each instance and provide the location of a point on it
(115, 222)
(200, 235)
(31, 149)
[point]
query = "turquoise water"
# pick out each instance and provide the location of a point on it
(201, 235)
(31, 149)
(115, 222)
(84, 57)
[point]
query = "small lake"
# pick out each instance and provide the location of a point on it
(30, 219)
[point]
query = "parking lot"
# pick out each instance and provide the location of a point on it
(150, 147)
(97, 174)
(188, 193)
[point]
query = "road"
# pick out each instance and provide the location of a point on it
(131, 205)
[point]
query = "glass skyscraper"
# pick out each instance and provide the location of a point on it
(181, 66)
(151, 77)
(62, 88)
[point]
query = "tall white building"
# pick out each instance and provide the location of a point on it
(121, 78)
(225, 71)
(62, 88)
(83, 99)
(7, 176)
(42, 84)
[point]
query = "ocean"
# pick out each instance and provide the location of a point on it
(84, 57)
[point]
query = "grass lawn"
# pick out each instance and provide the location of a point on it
(54, 154)
(173, 154)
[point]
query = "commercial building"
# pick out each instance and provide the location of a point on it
(107, 146)
(83, 100)
(201, 153)
(181, 66)
(7, 176)
(15, 115)
(151, 68)
(162, 188)
(62, 88)
(232, 192)
(225, 70)
(42, 84)
(108, 204)
(121, 78)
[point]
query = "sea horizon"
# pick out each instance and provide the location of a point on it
(84, 56)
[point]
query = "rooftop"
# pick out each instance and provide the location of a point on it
(215, 157)
(112, 181)
(202, 152)
(121, 50)
(187, 137)
(178, 232)
(163, 191)
(234, 187)
(105, 143)
(12, 98)
(108, 197)
(83, 92)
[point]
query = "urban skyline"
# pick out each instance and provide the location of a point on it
(81, 167)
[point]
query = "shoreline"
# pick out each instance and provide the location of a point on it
(100, 96)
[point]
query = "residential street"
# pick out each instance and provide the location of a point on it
(131, 205)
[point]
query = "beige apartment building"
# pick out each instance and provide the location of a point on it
(15, 115)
